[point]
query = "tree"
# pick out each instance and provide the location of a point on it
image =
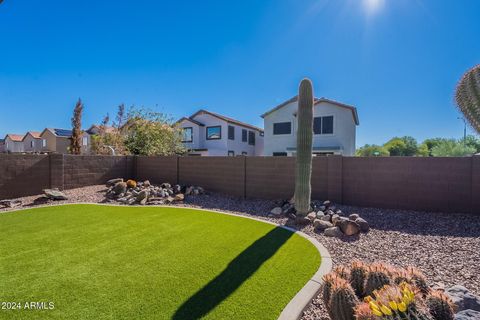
(76, 139)
(372, 150)
(151, 133)
(452, 148)
(121, 117)
(404, 146)
(473, 142)
(433, 142)
(423, 150)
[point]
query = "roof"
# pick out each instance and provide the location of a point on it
(224, 118)
(191, 120)
(34, 134)
(63, 133)
(15, 137)
(317, 101)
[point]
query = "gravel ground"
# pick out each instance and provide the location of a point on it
(446, 247)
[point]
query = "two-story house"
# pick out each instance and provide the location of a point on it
(334, 128)
(210, 134)
(14, 143)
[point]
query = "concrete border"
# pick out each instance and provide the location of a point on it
(296, 306)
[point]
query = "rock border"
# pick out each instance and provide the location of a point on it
(294, 309)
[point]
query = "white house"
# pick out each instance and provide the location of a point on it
(209, 134)
(14, 143)
(334, 128)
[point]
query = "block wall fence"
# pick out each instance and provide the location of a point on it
(424, 184)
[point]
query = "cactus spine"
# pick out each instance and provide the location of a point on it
(440, 306)
(303, 164)
(343, 301)
(358, 274)
(377, 276)
(468, 96)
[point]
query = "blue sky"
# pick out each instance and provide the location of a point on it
(397, 61)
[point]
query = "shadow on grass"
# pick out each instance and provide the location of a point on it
(238, 271)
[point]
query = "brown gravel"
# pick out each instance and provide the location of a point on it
(446, 247)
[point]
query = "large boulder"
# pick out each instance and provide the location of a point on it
(353, 216)
(312, 216)
(333, 232)
(349, 228)
(119, 188)
(10, 203)
(142, 197)
(179, 197)
(321, 225)
(113, 182)
(55, 194)
(463, 298)
(468, 314)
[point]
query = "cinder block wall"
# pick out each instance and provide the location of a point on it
(429, 184)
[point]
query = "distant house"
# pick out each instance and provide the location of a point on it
(210, 134)
(58, 141)
(334, 128)
(32, 142)
(14, 143)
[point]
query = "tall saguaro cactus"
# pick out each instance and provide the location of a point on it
(468, 97)
(303, 164)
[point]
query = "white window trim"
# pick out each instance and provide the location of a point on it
(334, 126)
(84, 141)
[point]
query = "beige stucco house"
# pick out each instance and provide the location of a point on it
(32, 142)
(14, 143)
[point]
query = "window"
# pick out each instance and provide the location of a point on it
(279, 154)
(44, 143)
(231, 132)
(187, 134)
(214, 133)
(323, 125)
(231, 153)
(244, 135)
(262, 133)
(251, 138)
(32, 144)
(85, 141)
(282, 128)
(244, 153)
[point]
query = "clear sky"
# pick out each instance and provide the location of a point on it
(397, 61)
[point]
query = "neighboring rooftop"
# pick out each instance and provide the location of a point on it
(65, 133)
(15, 137)
(317, 101)
(34, 134)
(219, 116)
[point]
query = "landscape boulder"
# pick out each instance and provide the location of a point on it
(112, 182)
(463, 298)
(468, 314)
(10, 203)
(119, 188)
(312, 216)
(353, 216)
(55, 194)
(276, 211)
(349, 228)
(333, 232)
(321, 225)
(364, 226)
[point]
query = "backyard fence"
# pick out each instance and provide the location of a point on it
(429, 184)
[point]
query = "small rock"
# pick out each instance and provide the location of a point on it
(188, 191)
(349, 227)
(312, 216)
(333, 208)
(179, 197)
(113, 182)
(322, 208)
(463, 298)
(353, 216)
(339, 212)
(131, 184)
(321, 225)
(146, 183)
(364, 226)
(196, 192)
(333, 232)
(200, 190)
(335, 218)
(166, 185)
(326, 217)
(177, 189)
(10, 203)
(169, 199)
(327, 203)
(468, 314)
(142, 195)
(276, 211)
(320, 214)
(301, 220)
(55, 194)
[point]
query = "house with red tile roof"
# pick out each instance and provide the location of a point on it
(32, 142)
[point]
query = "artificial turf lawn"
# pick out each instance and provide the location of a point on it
(105, 262)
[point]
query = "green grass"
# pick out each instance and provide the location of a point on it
(104, 262)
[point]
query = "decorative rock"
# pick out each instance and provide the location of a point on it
(188, 191)
(300, 220)
(146, 183)
(320, 214)
(463, 298)
(113, 182)
(10, 203)
(169, 200)
(166, 185)
(349, 227)
(276, 211)
(353, 216)
(179, 197)
(119, 187)
(333, 232)
(468, 314)
(201, 190)
(142, 195)
(196, 192)
(339, 212)
(312, 216)
(364, 226)
(335, 218)
(322, 208)
(131, 184)
(327, 203)
(55, 194)
(333, 208)
(177, 189)
(321, 225)
(326, 217)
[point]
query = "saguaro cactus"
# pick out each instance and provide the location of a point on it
(303, 165)
(468, 96)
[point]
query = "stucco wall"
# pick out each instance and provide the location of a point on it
(344, 129)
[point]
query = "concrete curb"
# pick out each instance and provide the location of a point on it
(296, 306)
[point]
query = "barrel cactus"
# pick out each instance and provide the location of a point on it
(343, 301)
(440, 306)
(378, 275)
(468, 96)
(358, 273)
(303, 165)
